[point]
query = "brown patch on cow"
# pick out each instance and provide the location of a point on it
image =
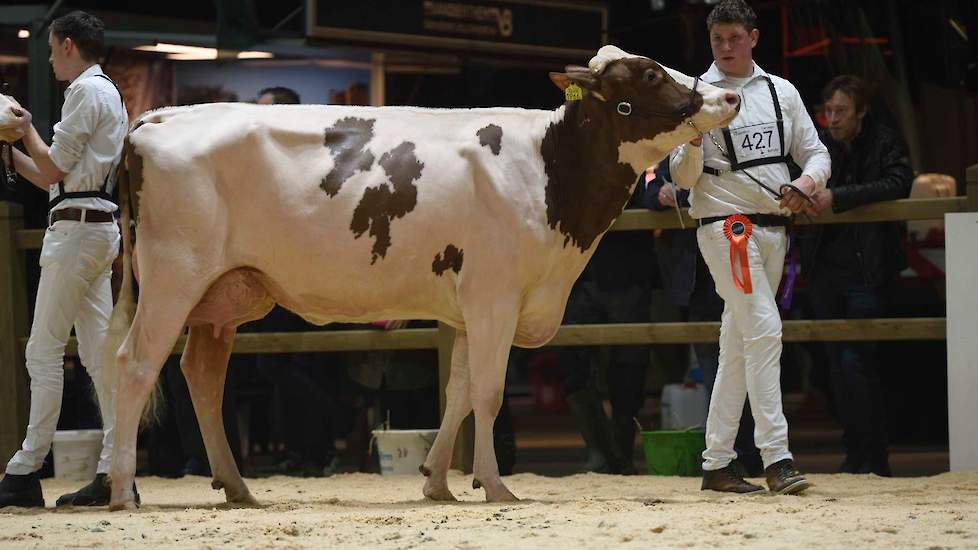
(131, 167)
(587, 187)
(380, 205)
(452, 259)
(347, 139)
(492, 136)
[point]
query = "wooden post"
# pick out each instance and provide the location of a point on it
(465, 442)
(14, 395)
(971, 188)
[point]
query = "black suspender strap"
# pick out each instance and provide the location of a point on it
(779, 120)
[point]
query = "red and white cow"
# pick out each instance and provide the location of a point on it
(480, 218)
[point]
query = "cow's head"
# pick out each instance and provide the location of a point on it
(652, 108)
(10, 129)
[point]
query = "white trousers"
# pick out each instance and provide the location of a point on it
(74, 290)
(750, 347)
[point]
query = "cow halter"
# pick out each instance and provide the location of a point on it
(625, 108)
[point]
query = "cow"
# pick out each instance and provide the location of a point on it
(479, 218)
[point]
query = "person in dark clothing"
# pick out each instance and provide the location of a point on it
(850, 265)
(690, 287)
(615, 287)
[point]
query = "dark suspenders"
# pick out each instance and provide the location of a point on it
(104, 192)
(734, 165)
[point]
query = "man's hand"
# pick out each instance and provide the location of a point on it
(24, 116)
(822, 200)
(794, 201)
(667, 195)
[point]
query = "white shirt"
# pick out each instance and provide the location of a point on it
(88, 140)
(734, 192)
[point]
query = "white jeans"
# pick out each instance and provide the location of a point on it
(750, 347)
(74, 290)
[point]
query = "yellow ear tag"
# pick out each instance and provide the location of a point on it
(573, 93)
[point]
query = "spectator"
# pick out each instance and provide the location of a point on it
(278, 94)
(851, 265)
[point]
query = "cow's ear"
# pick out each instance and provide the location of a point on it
(584, 79)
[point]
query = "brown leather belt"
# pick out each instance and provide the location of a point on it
(75, 215)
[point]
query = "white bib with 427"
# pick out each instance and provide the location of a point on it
(756, 142)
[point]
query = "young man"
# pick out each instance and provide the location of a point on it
(82, 239)
(851, 265)
(741, 195)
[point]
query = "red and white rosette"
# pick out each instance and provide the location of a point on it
(737, 229)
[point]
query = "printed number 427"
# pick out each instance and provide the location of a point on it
(756, 140)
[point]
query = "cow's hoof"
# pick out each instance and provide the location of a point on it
(495, 491)
(425, 471)
(241, 498)
(124, 506)
(217, 484)
(439, 494)
(501, 495)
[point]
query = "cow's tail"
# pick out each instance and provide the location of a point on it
(125, 308)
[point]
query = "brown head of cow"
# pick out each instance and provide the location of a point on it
(629, 114)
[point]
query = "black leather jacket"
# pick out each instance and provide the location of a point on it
(875, 168)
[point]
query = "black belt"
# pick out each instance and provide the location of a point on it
(760, 220)
(75, 215)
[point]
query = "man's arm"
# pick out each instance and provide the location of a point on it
(686, 164)
(806, 148)
(894, 182)
(38, 168)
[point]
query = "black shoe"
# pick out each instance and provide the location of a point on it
(727, 480)
(784, 479)
(23, 491)
(96, 493)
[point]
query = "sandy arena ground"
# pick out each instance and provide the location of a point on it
(360, 510)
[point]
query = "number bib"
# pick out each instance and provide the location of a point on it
(756, 142)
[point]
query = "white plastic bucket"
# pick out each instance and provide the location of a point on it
(683, 406)
(403, 451)
(76, 454)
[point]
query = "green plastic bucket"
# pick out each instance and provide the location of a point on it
(674, 453)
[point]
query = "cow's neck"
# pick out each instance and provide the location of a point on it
(587, 185)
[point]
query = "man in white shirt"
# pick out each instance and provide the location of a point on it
(78, 171)
(741, 194)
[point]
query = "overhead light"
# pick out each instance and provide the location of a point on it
(255, 55)
(179, 52)
(23, 33)
(163, 47)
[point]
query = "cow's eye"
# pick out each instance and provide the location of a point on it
(651, 75)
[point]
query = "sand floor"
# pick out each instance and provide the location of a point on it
(593, 511)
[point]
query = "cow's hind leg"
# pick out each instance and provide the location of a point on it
(159, 319)
(458, 407)
(491, 325)
(205, 364)
(235, 298)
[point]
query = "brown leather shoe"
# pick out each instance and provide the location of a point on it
(727, 480)
(784, 479)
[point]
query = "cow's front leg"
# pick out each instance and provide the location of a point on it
(490, 339)
(439, 459)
